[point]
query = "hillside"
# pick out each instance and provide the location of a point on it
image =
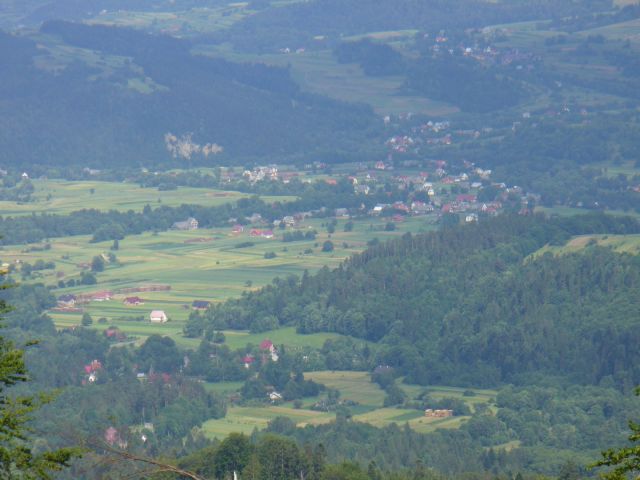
(316, 23)
(99, 96)
(463, 306)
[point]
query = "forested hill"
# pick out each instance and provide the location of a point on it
(104, 96)
(297, 24)
(472, 305)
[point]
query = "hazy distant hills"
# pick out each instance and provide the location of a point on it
(34, 12)
(79, 94)
(312, 24)
(109, 96)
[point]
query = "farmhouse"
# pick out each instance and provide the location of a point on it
(158, 316)
(200, 305)
(248, 360)
(273, 351)
(256, 232)
(133, 301)
(114, 333)
(275, 396)
(101, 296)
(438, 413)
(189, 224)
(68, 300)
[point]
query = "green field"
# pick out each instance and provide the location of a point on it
(619, 243)
(570, 211)
(354, 386)
(319, 72)
(197, 265)
(63, 197)
(182, 22)
(246, 419)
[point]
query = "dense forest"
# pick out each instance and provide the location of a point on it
(470, 305)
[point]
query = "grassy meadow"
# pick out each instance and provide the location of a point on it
(63, 197)
(619, 243)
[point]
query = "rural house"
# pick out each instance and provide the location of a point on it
(101, 296)
(189, 224)
(275, 397)
(158, 316)
(133, 301)
(248, 360)
(200, 305)
(68, 300)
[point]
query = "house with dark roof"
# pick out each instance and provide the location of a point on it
(200, 305)
(133, 301)
(68, 300)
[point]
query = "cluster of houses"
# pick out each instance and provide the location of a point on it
(261, 173)
(399, 144)
(487, 54)
(269, 352)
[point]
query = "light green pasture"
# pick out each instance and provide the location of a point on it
(63, 197)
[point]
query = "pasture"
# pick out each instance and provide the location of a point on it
(63, 197)
(619, 243)
(319, 72)
(353, 386)
(187, 21)
(246, 419)
(570, 211)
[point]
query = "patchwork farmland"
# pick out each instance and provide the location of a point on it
(367, 406)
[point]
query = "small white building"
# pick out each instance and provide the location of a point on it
(275, 396)
(158, 316)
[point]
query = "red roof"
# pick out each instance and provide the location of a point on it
(248, 359)
(266, 344)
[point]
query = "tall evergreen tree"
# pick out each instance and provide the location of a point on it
(18, 460)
